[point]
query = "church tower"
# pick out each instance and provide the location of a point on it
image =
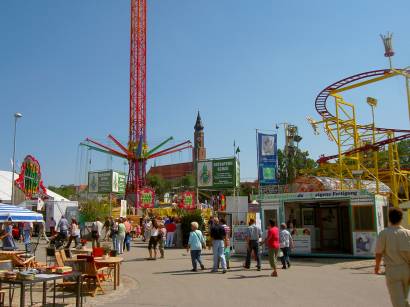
(199, 151)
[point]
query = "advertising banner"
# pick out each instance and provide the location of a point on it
(106, 182)
(239, 234)
(364, 243)
(188, 200)
(147, 197)
(267, 159)
(302, 240)
(123, 209)
(220, 173)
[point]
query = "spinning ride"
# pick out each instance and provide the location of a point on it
(136, 151)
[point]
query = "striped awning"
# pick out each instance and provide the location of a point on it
(11, 213)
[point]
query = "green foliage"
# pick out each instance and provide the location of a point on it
(186, 219)
(290, 167)
(92, 209)
(162, 186)
(159, 184)
(186, 182)
(67, 191)
(247, 189)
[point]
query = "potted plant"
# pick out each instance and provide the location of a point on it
(107, 250)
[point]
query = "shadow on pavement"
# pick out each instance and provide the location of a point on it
(246, 277)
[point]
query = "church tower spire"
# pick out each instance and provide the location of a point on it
(199, 151)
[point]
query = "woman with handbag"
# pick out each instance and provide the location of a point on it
(196, 243)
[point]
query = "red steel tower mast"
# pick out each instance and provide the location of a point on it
(138, 97)
(137, 152)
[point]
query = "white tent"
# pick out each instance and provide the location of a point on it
(5, 188)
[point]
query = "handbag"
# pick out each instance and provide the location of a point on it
(280, 253)
(202, 242)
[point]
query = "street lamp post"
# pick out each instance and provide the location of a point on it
(17, 115)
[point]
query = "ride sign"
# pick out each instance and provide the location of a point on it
(218, 173)
(147, 197)
(188, 200)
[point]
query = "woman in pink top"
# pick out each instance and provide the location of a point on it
(272, 243)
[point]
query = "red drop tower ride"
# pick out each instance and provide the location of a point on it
(137, 152)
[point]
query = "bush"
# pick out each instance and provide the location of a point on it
(186, 219)
(92, 210)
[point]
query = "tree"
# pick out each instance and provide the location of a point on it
(187, 181)
(159, 184)
(93, 209)
(67, 191)
(292, 166)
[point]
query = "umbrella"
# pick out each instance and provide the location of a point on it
(11, 213)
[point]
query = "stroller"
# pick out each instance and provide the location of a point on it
(58, 240)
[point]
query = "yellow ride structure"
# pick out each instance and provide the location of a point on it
(362, 155)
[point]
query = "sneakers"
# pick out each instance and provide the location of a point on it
(224, 271)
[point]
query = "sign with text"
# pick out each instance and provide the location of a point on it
(267, 159)
(106, 182)
(219, 173)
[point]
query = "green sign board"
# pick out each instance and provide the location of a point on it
(106, 182)
(218, 173)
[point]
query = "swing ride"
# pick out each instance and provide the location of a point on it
(137, 152)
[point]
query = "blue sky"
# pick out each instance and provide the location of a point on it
(244, 64)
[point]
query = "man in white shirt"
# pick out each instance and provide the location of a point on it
(96, 230)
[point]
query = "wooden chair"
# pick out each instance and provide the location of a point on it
(50, 254)
(23, 262)
(93, 274)
(76, 264)
(59, 258)
(98, 252)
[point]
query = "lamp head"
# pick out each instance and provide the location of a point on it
(18, 115)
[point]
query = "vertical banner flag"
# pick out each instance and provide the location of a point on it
(267, 159)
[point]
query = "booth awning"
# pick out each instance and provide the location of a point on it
(10, 213)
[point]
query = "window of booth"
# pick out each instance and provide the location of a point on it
(363, 217)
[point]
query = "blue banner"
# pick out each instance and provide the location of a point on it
(267, 159)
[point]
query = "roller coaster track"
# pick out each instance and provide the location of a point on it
(368, 147)
(350, 82)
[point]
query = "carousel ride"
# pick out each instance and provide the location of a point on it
(362, 155)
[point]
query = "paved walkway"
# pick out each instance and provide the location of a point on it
(309, 282)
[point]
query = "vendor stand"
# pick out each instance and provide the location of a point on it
(329, 223)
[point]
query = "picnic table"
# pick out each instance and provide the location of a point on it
(12, 252)
(44, 278)
(111, 262)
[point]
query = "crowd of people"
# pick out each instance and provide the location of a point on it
(278, 243)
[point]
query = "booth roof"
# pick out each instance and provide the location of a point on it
(5, 187)
(13, 213)
(318, 183)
